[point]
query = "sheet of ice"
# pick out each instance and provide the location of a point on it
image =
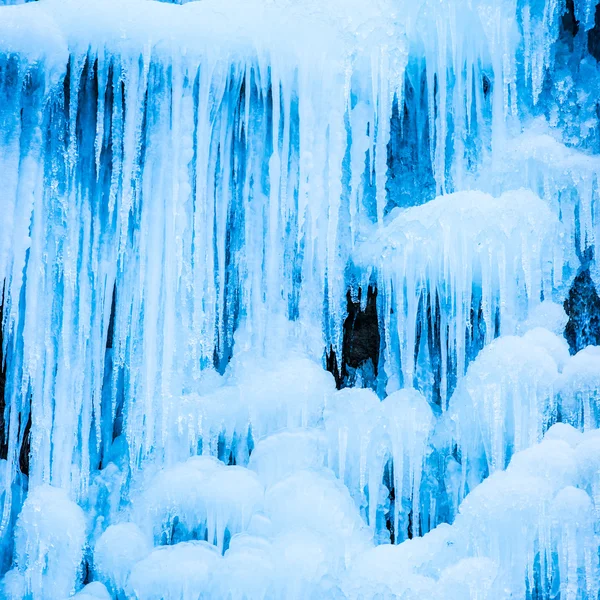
(516, 504)
(565, 177)
(317, 501)
(589, 467)
(577, 546)
(34, 37)
(223, 75)
(564, 432)
(367, 439)
(280, 454)
(415, 563)
(469, 578)
(546, 314)
(409, 425)
(503, 539)
(296, 564)
(354, 426)
(214, 216)
(188, 192)
(93, 591)
(199, 499)
(13, 585)
(254, 399)
(248, 569)
(552, 342)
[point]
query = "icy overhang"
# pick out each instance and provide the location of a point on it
(308, 32)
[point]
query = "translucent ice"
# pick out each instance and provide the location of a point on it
(49, 541)
(194, 201)
(448, 249)
(117, 550)
(578, 389)
(93, 591)
(505, 403)
(201, 498)
(179, 572)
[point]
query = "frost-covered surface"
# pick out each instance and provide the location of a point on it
(449, 249)
(193, 194)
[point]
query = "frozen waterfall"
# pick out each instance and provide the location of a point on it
(299, 300)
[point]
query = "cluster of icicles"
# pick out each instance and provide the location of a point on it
(189, 191)
(308, 513)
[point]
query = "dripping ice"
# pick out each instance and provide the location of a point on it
(299, 300)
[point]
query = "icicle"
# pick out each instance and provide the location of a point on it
(431, 243)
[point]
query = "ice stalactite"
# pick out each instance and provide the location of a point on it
(428, 256)
(566, 178)
(578, 389)
(202, 206)
(153, 182)
(496, 417)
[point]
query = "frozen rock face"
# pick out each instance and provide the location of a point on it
(583, 307)
(299, 300)
(361, 343)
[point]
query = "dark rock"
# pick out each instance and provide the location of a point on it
(569, 25)
(331, 364)
(583, 308)
(25, 448)
(594, 36)
(360, 348)
(3, 432)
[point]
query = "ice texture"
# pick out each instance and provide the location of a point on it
(450, 249)
(211, 211)
(50, 536)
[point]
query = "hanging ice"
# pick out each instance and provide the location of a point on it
(462, 251)
(299, 299)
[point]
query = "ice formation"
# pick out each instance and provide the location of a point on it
(201, 201)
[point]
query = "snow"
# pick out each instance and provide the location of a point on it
(50, 535)
(446, 249)
(578, 389)
(503, 405)
(117, 550)
(174, 572)
(93, 591)
(193, 195)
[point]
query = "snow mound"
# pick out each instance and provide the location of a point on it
(50, 537)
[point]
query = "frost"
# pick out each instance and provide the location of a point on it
(284, 300)
(578, 390)
(117, 550)
(174, 572)
(451, 249)
(49, 540)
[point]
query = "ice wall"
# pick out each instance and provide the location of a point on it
(188, 195)
(187, 189)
